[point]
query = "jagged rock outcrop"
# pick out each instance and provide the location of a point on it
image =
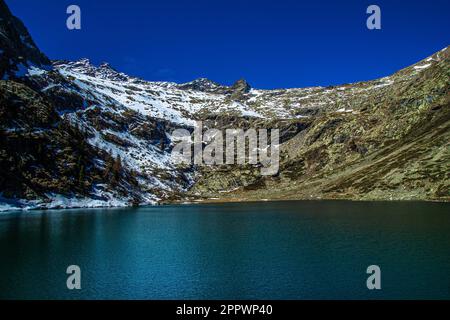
(241, 86)
(202, 84)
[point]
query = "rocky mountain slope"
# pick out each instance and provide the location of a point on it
(49, 157)
(385, 140)
(74, 134)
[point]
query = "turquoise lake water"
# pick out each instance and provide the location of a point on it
(271, 250)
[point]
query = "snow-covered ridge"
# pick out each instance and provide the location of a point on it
(183, 103)
(178, 103)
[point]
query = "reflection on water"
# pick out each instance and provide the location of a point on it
(284, 250)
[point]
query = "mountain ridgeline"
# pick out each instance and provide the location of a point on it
(77, 135)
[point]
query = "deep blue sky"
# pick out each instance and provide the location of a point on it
(272, 44)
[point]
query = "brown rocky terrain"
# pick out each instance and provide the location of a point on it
(390, 144)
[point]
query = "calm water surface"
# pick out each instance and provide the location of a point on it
(286, 250)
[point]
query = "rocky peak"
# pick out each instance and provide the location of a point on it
(205, 85)
(241, 86)
(106, 66)
(106, 71)
(18, 52)
(83, 63)
(201, 84)
(85, 66)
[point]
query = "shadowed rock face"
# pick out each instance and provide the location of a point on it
(202, 84)
(17, 49)
(42, 153)
(237, 90)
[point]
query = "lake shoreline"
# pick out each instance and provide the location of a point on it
(224, 201)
